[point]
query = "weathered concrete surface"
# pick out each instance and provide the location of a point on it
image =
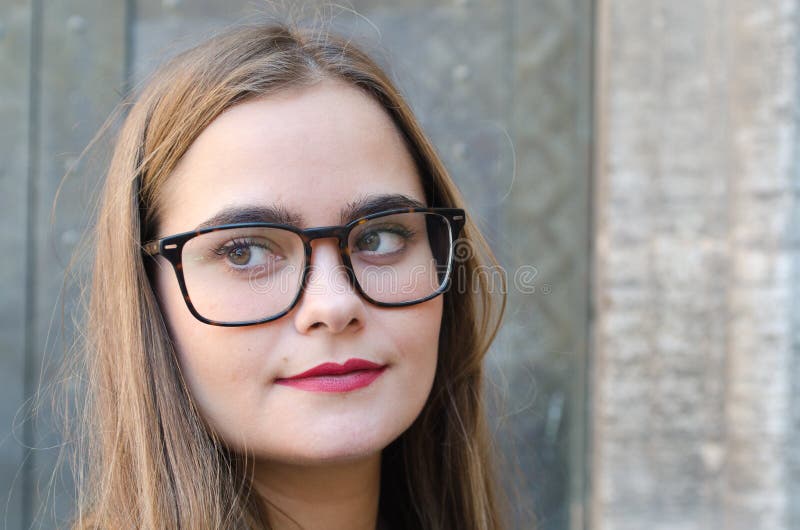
(15, 65)
(547, 227)
(696, 332)
(80, 77)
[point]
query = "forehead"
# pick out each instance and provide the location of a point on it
(308, 150)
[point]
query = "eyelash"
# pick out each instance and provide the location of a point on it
(399, 230)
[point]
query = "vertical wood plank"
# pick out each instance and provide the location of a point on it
(83, 65)
(16, 24)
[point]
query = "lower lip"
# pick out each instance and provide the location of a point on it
(334, 383)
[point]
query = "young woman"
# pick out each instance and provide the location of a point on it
(283, 333)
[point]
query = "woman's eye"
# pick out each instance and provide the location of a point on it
(381, 242)
(247, 254)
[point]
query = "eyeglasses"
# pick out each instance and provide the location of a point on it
(251, 273)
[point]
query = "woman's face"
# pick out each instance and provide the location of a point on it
(311, 152)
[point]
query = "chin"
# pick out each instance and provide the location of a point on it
(324, 450)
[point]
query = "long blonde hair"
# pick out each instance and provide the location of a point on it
(147, 460)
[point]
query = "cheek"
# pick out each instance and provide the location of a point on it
(173, 307)
(414, 333)
(205, 353)
(182, 326)
(419, 325)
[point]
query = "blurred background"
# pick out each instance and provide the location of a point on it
(634, 164)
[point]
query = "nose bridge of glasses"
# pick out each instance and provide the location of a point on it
(323, 232)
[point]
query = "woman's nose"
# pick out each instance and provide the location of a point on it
(329, 300)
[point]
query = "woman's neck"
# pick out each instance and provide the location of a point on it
(342, 496)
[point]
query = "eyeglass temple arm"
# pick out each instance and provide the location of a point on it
(151, 248)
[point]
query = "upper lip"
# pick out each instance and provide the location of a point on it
(351, 365)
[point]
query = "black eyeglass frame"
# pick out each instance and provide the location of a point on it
(171, 248)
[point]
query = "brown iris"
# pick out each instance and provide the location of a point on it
(240, 256)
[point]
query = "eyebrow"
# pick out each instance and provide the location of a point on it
(369, 204)
(277, 213)
(251, 214)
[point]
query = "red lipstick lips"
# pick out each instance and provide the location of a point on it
(332, 377)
